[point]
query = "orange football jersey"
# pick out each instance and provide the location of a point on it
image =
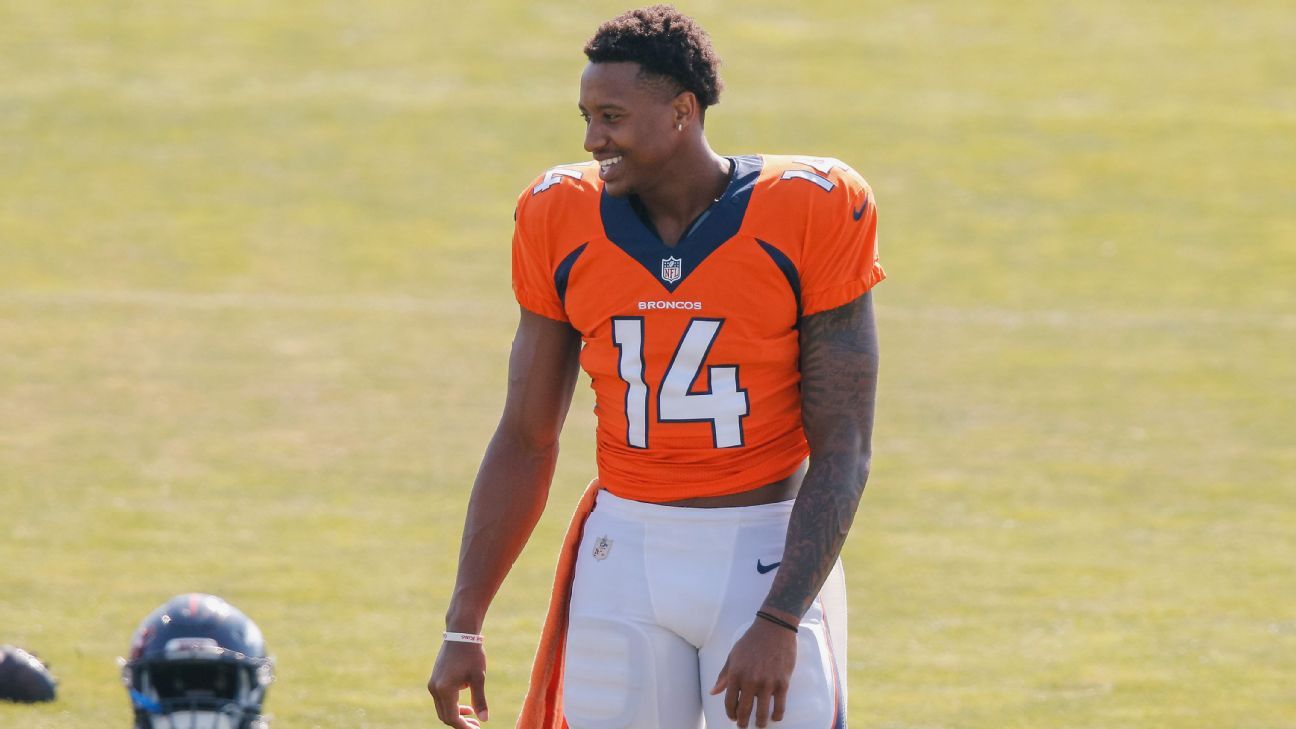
(692, 349)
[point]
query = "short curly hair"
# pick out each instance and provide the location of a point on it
(664, 42)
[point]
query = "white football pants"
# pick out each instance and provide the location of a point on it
(662, 593)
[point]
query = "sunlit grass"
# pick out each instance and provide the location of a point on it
(255, 309)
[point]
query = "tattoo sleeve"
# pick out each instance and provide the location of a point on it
(839, 366)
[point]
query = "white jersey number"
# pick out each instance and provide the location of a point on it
(553, 177)
(823, 164)
(723, 405)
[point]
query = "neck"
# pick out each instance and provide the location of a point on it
(687, 187)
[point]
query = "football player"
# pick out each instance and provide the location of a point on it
(721, 307)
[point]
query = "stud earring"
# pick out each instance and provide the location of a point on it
(679, 127)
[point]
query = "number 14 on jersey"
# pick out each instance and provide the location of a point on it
(723, 404)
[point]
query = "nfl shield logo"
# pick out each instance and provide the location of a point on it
(602, 547)
(672, 269)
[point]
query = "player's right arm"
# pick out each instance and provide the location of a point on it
(507, 499)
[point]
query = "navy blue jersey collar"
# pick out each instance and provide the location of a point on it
(670, 266)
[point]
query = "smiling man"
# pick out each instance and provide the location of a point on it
(724, 308)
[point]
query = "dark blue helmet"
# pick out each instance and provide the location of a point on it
(24, 678)
(198, 662)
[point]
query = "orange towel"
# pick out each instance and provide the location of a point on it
(542, 707)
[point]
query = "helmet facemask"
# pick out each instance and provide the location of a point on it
(184, 693)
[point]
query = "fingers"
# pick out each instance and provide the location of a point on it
(722, 681)
(741, 700)
(452, 713)
(466, 712)
(477, 688)
(744, 708)
(780, 703)
(762, 709)
(439, 701)
(443, 700)
(731, 702)
(730, 691)
(449, 711)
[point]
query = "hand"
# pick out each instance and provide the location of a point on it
(459, 666)
(757, 673)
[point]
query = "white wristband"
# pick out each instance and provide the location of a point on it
(464, 638)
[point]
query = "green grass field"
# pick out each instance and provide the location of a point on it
(255, 309)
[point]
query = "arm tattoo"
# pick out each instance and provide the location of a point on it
(839, 366)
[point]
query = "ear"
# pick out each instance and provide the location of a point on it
(685, 109)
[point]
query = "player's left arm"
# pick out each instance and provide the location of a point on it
(839, 368)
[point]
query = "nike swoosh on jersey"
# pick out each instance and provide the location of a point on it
(763, 568)
(857, 214)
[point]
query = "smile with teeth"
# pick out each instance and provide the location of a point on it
(607, 164)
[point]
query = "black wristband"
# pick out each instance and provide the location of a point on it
(776, 620)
